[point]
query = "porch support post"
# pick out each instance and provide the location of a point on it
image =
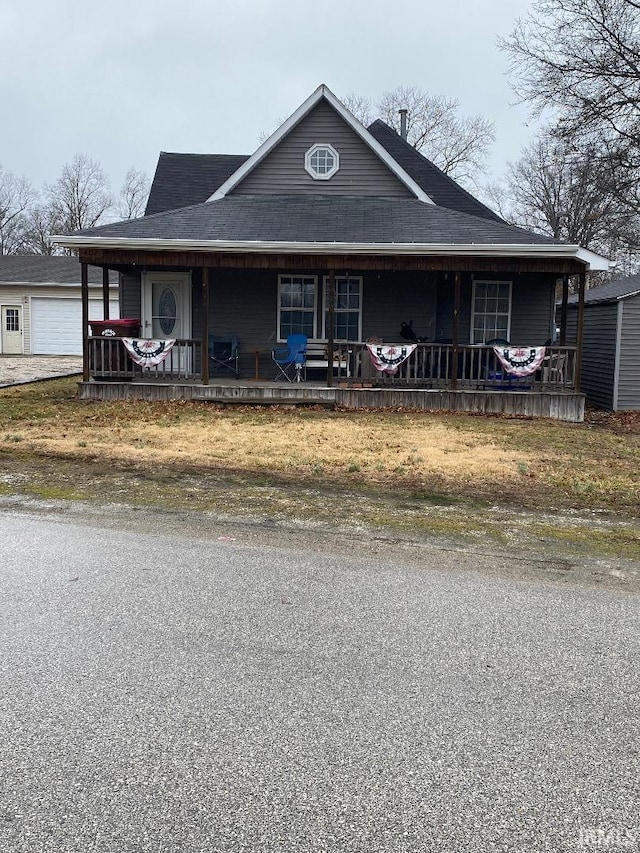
(563, 311)
(205, 325)
(580, 329)
(84, 290)
(331, 314)
(455, 331)
(105, 293)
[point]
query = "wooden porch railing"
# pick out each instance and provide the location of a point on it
(430, 365)
(108, 359)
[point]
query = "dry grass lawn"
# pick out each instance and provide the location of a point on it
(528, 463)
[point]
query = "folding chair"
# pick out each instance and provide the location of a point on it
(553, 368)
(223, 353)
(290, 361)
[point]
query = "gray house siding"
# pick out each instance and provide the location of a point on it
(361, 171)
(531, 307)
(532, 303)
(232, 290)
(130, 296)
(245, 303)
(598, 351)
(629, 358)
(414, 299)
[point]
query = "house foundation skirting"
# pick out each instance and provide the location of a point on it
(561, 406)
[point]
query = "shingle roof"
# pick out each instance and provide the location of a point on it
(318, 218)
(47, 269)
(182, 180)
(442, 189)
(621, 288)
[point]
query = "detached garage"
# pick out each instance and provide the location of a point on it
(41, 306)
(56, 323)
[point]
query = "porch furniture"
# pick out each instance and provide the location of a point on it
(223, 353)
(499, 380)
(553, 368)
(290, 362)
(318, 358)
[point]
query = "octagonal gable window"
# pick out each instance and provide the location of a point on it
(321, 161)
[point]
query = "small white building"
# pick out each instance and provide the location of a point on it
(41, 305)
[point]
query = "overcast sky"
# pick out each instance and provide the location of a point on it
(122, 80)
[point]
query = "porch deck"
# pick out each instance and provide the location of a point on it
(557, 405)
(436, 377)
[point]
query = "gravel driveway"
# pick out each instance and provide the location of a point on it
(18, 369)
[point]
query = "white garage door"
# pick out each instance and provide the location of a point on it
(56, 324)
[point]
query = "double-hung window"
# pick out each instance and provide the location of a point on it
(297, 305)
(348, 308)
(303, 310)
(491, 315)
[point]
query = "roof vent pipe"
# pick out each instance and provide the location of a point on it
(403, 123)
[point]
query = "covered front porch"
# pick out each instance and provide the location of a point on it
(242, 293)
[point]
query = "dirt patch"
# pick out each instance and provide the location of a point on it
(620, 422)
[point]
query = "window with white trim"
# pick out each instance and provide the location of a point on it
(348, 308)
(491, 314)
(12, 322)
(297, 305)
(322, 161)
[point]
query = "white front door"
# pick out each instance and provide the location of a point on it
(11, 318)
(166, 312)
(166, 305)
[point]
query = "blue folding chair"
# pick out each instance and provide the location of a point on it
(290, 361)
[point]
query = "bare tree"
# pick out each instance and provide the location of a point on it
(581, 60)
(457, 144)
(40, 223)
(81, 197)
(361, 107)
(16, 196)
(133, 194)
(562, 193)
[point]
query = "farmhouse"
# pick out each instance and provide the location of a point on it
(345, 235)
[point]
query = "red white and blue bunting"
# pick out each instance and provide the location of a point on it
(520, 361)
(148, 353)
(387, 359)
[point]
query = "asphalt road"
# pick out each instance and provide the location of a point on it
(160, 692)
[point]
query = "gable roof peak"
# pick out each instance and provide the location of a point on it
(440, 186)
(321, 93)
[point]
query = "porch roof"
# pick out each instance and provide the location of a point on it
(329, 224)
